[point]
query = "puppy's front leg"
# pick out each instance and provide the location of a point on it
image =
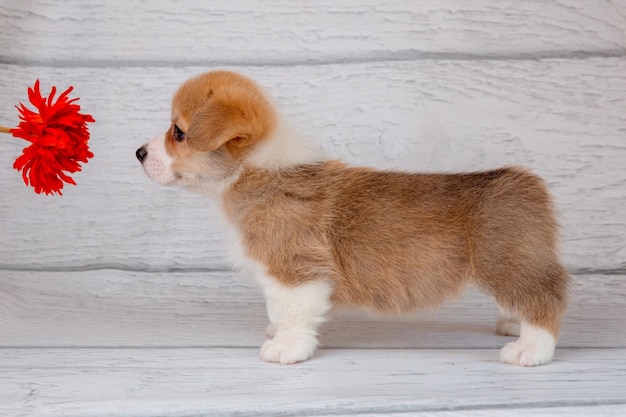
(295, 313)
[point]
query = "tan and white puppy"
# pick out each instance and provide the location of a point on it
(316, 233)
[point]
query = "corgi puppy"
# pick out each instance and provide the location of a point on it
(317, 233)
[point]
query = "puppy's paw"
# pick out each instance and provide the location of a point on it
(270, 331)
(286, 353)
(518, 353)
(507, 327)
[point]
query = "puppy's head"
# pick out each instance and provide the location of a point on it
(217, 120)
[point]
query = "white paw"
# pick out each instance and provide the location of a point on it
(517, 353)
(270, 331)
(286, 353)
(507, 327)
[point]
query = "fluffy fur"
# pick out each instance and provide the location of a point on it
(317, 233)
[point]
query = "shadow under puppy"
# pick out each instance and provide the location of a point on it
(316, 233)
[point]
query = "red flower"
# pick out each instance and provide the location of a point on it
(58, 134)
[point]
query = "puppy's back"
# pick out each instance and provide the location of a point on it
(409, 241)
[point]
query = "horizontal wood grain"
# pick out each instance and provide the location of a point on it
(129, 309)
(114, 343)
(217, 382)
(615, 410)
(96, 33)
(117, 299)
(565, 119)
(280, 32)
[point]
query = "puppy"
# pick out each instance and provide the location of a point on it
(316, 233)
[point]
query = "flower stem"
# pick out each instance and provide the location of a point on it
(4, 129)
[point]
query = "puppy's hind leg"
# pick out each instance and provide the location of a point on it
(534, 347)
(539, 306)
(508, 324)
(294, 313)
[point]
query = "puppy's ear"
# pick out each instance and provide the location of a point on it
(219, 123)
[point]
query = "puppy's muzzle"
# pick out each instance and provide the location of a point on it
(141, 154)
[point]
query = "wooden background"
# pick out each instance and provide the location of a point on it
(432, 85)
(418, 85)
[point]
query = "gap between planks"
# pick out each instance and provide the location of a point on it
(378, 57)
(621, 270)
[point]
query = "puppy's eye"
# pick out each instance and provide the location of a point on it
(178, 134)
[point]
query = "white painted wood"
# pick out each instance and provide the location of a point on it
(617, 410)
(113, 343)
(392, 84)
(563, 118)
(128, 309)
(92, 32)
(215, 382)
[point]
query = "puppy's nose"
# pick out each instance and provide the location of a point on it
(141, 153)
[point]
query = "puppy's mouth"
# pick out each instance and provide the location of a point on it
(157, 171)
(155, 168)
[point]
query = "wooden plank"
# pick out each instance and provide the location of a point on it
(93, 32)
(563, 118)
(617, 410)
(130, 309)
(211, 382)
